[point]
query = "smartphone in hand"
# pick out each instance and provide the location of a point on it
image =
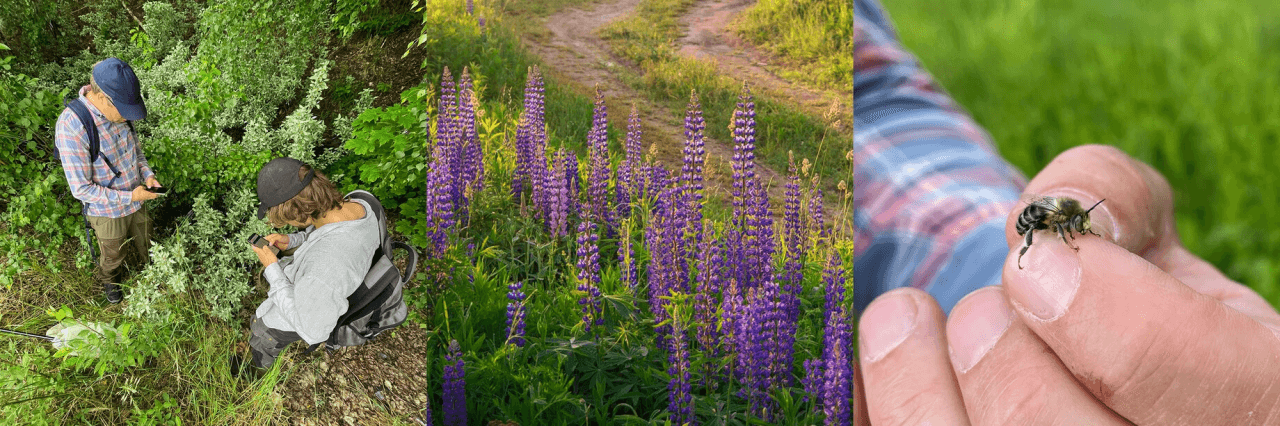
(258, 241)
(159, 191)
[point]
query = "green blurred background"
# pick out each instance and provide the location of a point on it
(1190, 87)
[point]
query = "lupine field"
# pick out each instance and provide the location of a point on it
(582, 263)
(722, 320)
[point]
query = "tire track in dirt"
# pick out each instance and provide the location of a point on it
(575, 54)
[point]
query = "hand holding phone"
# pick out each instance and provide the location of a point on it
(260, 242)
(160, 191)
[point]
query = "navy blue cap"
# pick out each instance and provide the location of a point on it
(117, 80)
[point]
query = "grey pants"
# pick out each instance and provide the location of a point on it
(267, 342)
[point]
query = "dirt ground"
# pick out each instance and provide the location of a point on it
(577, 54)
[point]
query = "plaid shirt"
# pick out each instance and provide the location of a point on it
(92, 183)
(932, 193)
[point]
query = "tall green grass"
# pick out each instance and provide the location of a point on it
(816, 36)
(1190, 87)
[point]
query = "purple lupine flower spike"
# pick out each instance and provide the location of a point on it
(467, 148)
(754, 349)
(439, 209)
(668, 266)
(557, 196)
(813, 380)
(598, 161)
(706, 299)
(515, 314)
(627, 256)
(816, 216)
(730, 321)
(455, 393)
(573, 181)
(589, 274)
(838, 337)
(745, 235)
(793, 274)
(694, 158)
(531, 162)
(628, 172)
(679, 392)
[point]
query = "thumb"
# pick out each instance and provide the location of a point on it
(1153, 349)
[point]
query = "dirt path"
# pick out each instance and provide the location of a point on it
(708, 37)
(576, 54)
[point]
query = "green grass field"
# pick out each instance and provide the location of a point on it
(1190, 87)
(823, 57)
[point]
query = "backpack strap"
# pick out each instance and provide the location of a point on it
(380, 214)
(91, 128)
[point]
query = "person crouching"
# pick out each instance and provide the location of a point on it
(307, 291)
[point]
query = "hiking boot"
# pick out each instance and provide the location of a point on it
(243, 369)
(112, 291)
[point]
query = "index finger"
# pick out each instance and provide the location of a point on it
(1137, 215)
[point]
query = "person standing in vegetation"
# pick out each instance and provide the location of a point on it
(114, 186)
(309, 289)
(1125, 327)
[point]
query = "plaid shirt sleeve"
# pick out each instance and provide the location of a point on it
(932, 193)
(72, 141)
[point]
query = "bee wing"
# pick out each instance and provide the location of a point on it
(1041, 200)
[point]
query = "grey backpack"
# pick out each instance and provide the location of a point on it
(378, 304)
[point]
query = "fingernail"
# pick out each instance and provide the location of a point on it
(1049, 280)
(886, 324)
(976, 324)
(1100, 218)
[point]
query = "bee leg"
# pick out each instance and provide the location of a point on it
(1064, 238)
(1094, 233)
(1024, 248)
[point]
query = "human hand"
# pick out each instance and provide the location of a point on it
(280, 241)
(141, 194)
(264, 255)
(1132, 328)
(153, 183)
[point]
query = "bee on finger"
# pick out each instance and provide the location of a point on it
(1062, 214)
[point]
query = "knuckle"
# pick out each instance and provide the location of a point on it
(1151, 363)
(917, 409)
(1022, 405)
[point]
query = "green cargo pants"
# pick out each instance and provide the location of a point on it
(116, 236)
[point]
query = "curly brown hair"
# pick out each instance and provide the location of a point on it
(320, 196)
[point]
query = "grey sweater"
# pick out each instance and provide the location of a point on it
(309, 289)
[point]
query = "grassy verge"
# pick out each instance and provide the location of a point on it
(1186, 87)
(528, 17)
(186, 380)
(815, 38)
(647, 39)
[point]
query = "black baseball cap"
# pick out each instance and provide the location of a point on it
(116, 78)
(278, 182)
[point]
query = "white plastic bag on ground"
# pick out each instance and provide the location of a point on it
(66, 336)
